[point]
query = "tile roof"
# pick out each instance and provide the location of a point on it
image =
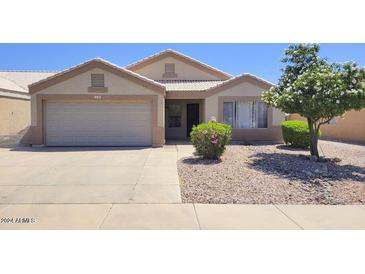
(15, 83)
(6, 84)
(100, 60)
(189, 85)
(10, 89)
(23, 78)
(240, 77)
(175, 53)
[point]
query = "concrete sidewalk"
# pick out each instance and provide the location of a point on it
(180, 216)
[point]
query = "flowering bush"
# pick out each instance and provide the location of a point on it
(210, 139)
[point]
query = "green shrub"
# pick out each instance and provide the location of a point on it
(210, 139)
(296, 133)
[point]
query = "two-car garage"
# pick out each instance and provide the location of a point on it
(97, 123)
(96, 104)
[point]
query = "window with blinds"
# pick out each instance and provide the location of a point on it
(97, 80)
(245, 114)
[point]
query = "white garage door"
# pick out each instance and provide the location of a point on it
(98, 124)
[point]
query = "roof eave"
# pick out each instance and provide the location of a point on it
(169, 52)
(88, 65)
(245, 77)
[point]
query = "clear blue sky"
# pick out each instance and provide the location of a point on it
(260, 59)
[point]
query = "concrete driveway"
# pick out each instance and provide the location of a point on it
(105, 188)
(88, 175)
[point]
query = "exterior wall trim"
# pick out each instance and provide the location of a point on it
(36, 134)
(97, 89)
(15, 98)
(185, 95)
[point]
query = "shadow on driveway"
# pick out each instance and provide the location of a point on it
(13, 145)
(73, 149)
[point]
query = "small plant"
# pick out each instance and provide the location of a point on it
(210, 139)
(296, 133)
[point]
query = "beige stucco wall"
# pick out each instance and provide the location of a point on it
(239, 92)
(349, 128)
(243, 89)
(184, 71)
(116, 86)
(14, 115)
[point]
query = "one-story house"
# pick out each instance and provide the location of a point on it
(158, 98)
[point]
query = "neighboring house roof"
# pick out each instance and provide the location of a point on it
(95, 63)
(10, 89)
(6, 84)
(24, 78)
(14, 84)
(189, 85)
(181, 57)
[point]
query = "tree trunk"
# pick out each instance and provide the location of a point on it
(313, 134)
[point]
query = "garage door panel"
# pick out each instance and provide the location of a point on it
(56, 114)
(53, 129)
(105, 117)
(75, 108)
(98, 124)
(94, 141)
(80, 133)
(91, 126)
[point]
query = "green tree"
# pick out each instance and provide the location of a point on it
(316, 89)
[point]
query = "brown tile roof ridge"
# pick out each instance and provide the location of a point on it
(181, 54)
(98, 59)
(240, 77)
(188, 81)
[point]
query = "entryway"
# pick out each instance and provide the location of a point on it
(192, 117)
(180, 117)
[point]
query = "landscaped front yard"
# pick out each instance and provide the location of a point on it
(264, 174)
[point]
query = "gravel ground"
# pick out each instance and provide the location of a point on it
(264, 174)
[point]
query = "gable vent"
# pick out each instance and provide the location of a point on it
(97, 80)
(169, 71)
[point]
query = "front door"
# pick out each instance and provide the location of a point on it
(192, 117)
